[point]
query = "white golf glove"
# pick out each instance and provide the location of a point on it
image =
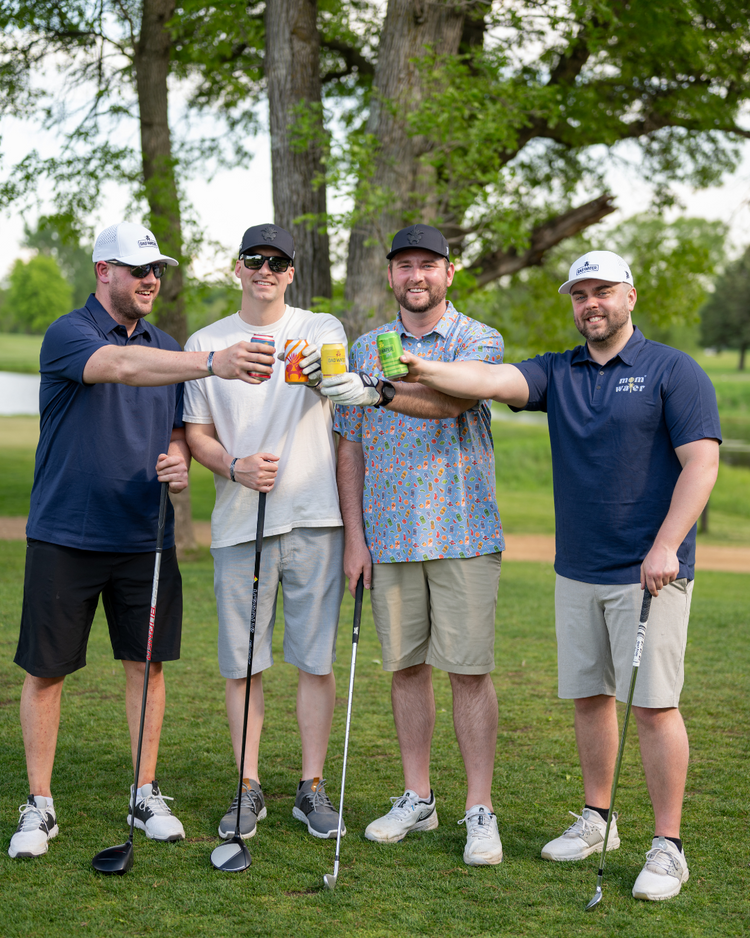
(351, 389)
(309, 365)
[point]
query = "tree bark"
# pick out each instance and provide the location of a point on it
(298, 142)
(411, 28)
(151, 61)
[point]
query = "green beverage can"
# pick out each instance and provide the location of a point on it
(390, 351)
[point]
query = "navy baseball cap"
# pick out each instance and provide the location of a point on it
(268, 236)
(419, 236)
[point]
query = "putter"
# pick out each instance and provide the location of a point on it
(233, 856)
(118, 860)
(639, 640)
(330, 878)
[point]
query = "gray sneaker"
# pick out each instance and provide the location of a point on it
(313, 807)
(252, 809)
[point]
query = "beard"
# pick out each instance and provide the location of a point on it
(125, 305)
(614, 322)
(435, 294)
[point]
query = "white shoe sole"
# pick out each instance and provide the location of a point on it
(141, 825)
(483, 861)
(428, 824)
(597, 848)
(669, 895)
(300, 815)
(230, 834)
(29, 854)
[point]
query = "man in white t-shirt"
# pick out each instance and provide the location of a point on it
(275, 438)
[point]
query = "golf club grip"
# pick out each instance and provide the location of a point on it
(162, 516)
(640, 637)
(359, 595)
(261, 522)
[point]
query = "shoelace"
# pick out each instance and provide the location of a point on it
(478, 824)
(155, 803)
(662, 859)
(403, 806)
(580, 825)
(319, 797)
(250, 798)
(32, 818)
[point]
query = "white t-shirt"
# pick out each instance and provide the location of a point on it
(293, 423)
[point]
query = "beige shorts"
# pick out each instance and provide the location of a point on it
(438, 612)
(596, 629)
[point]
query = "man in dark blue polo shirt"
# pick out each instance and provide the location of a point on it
(635, 436)
(111, 431)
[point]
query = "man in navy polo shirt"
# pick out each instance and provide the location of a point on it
(110, 432)
(635, 436)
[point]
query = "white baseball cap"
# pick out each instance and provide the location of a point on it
(598, 265)
(130, 244)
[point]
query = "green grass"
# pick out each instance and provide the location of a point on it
(419, 887)
(20, 352)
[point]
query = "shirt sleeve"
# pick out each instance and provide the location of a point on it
(195, 407)
(67, 346)
(329, 330)
(690, 409)
(481, 344)
(536, 372)
(179, 406)
(347, 421)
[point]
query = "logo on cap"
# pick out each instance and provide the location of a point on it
(269, 233)
(415, 235)
(147, 242)
(587, 268)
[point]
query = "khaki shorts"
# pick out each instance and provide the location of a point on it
(596, 629)
(437, 612)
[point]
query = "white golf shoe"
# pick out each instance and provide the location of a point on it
(581, 839)
(37, 826)
(664, 872)
(483, 846)
(409, 813)
(153, 815)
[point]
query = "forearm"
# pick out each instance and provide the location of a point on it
(689, 498)
(140, 366)
(350, 476)
(207, 450)
(178, 446)
(471, 379)
(413, 400)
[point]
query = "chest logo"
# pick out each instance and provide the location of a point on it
(631, 385)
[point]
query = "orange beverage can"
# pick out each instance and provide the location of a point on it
(296, 350)
(332, 359)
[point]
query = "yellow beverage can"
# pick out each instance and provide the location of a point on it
(333, 359)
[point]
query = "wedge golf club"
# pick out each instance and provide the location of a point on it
(118, 860)
(233, 856)
(639, 640)
(330, 878)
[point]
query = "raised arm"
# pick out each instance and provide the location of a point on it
(350, 475)
(474, 380)
(349, 390)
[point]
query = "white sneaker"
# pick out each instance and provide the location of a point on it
(409, 813)
(584, 837)
(483, 845)
(153, 815)
(664, 873)
(37, 826)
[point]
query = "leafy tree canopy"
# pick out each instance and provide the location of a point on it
(38, 294)
(725, 317)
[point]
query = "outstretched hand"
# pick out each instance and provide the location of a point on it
(244, 360)
(349, 390)
(418, 368)
(309, 365)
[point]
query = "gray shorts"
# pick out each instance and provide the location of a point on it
(596, 629)
(308, 563)
(437, 612)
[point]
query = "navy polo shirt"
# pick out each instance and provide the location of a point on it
(95, 485)
(613, 430)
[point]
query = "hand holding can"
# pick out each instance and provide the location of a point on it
(295, 350)
(390, 351)
(265, 340)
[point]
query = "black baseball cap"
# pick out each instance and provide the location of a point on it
(419, 236)
(269, 236)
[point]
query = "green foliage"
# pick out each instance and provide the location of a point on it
(38, 294)
(725, 317)
(58, 237)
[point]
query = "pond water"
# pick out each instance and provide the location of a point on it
(19, 394)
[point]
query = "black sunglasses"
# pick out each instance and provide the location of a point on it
(141, 272)
(276, 264)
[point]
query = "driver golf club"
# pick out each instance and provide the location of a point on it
(233, 856)
(639, 640)
(330, 878)
(118, 860)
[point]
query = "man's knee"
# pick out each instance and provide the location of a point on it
(655, 717)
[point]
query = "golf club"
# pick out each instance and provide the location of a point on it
(118, 860)
(639, 640)
(330, 878)
(233, 856)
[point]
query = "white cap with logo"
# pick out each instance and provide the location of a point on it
(130, 244)
(598, 265)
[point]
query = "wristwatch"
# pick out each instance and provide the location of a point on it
(387, 393)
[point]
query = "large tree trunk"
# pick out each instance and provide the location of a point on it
(152, 53)
(399, 179)
(298, 142)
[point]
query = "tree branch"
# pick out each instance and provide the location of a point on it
(352, 57)
(543, 238)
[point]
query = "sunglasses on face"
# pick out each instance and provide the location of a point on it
(142, 272)
(276, 264)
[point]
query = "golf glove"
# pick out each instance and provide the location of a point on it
(309, 365)
(351, 389)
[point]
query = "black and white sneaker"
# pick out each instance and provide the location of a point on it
(152, 814)
(252, 809)
(313, 807)
(36, 827)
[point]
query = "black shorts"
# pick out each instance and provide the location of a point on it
(61, 591)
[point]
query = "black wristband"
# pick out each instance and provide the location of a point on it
(387, 393)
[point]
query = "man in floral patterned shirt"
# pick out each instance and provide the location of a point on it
(416, 482)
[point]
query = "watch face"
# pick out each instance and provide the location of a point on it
(389, 392)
